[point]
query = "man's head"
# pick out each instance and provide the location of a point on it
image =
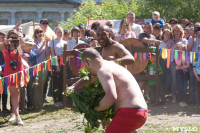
(44, 23)
(94, 26)
(110, 24)
(173, 21)
(75, 33)
(91, 59)
(131, 17)
(148, 28)
(82, 29)
(104, 35)
(153, 58)
(155, 15)
(2, 37)
(156, 31)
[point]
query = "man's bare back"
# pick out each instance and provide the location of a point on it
(124, 85)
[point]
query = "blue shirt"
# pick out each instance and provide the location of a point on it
(159, 21)
(197, 66)
(33, 58)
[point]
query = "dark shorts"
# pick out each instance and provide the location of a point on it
(127, 120)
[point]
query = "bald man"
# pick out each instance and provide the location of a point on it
(121, 90)
(113, 50)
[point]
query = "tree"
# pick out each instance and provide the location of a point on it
(118, 9)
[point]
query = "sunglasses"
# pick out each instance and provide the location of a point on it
(172, 23)
(14, 37)
(37, 32)
(45, 23)
(109, 25)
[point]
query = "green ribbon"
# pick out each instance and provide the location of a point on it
(45, 65)
(53, 61)
(139, 56)
(154, 49)
(176, 54)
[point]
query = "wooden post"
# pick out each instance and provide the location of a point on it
(64, 75)
(157, 75)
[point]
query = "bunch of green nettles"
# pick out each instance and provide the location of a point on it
(88, 99)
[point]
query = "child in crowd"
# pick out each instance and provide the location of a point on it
(152, 83)
(156, 20)
(93, 42)
(196, 69)
(182, 66)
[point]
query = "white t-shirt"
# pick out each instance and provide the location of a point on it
(137, 29)
(58, 46)
(71, 44)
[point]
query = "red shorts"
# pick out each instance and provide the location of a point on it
(127, 120)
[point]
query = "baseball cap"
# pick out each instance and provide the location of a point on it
(81, 25)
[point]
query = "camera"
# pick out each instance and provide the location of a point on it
(196, 29)
(13, 64)
(14, 41)
(87, 32)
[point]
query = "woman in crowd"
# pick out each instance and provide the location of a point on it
(12, 51)
(56, 48)
(177, 35)
(165, 78)
(66, 35)
(42, 51)
(167, 26)
(182, 75)
(124, 31)
(186, 33)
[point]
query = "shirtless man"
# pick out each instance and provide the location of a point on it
(121, 90)
(113, 50)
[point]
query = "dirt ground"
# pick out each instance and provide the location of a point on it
(165, 118)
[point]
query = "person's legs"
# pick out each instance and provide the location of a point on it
(46, 87)
(191, 84)
(4, 101)
(185, 83)
(197, 93)
(30, 86)
(179, 79)
(15, 93)
(173, 81)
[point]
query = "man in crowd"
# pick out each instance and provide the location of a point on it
(121, 90)
(47, 33)
(147, 38)
(134, 27)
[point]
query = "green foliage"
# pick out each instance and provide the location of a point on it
(108, 10)
(118, 9)
(87, 100)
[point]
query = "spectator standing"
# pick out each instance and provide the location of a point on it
(66, 35)
(124, 31)
(75, 33)
(157, 32)
(42, 51)
(193, 46)
(12, 51)
(84, 33)
(137, 29)
(56, 48)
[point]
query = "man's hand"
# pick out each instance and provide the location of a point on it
(158, 42)
(68, 89)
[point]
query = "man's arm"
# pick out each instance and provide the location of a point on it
(125, 57)
(81, 82)
(195, 73)
(151, 41)
(191, 43)
(108, 84)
